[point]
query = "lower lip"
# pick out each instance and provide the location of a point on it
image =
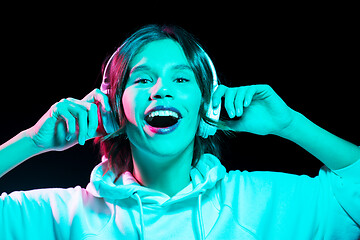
(164, 130)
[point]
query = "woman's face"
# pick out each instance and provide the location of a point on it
(161, 100)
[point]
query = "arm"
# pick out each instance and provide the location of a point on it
(17, 150)
(65, 124)
(333, 151)
(330, 202)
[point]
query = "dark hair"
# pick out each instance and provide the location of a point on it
(116, 146)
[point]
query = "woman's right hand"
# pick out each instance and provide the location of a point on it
(70, 121)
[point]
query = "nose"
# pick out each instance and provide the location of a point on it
(160, 90)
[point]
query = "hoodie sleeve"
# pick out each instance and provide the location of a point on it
(346, 188)
(37, 214)
(285, 206)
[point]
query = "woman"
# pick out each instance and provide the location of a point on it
(159, 178)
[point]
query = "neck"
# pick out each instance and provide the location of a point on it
(167, 174)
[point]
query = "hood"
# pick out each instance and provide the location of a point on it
(203, 177)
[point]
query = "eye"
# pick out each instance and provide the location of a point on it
(142, 80)
(181, 80)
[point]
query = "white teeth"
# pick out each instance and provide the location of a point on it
(164, 113)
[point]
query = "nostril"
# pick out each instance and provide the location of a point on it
(160, 96)
(161, 89)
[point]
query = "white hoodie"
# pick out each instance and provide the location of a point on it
(215, 205)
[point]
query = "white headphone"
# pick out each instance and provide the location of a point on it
(110, 125)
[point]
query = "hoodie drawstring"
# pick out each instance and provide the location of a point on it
(200, 218)
(201, 223)
(142, 228)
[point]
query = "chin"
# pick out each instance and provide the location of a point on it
(163, 143)
(160, 149)
(173, 148)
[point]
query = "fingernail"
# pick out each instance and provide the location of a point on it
(231, 114)
(238, 113)
(246, 104)
(68, 138)
(81, 140)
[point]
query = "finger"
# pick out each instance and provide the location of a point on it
(229, 101)
(82, 119)
(218, 94)
(79, 102)
(76, 102)
(249, 95)
(61, 111)
(91, 108)
(83, 126)
(93, 120)
(70, 124)
(239, 101)
(98, 95)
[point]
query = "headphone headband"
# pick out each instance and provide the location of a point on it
(105, 86)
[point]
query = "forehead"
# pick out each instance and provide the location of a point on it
(160, 53)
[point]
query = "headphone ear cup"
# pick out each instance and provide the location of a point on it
(109, 123)
(203, 129)
(206, 129)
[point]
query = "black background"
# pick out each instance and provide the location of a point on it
(309, 55)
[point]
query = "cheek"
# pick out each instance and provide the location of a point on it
(130, 101)
(192, 99)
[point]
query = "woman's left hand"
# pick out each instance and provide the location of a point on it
(258, 109)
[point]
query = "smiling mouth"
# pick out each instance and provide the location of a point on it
(163, 120)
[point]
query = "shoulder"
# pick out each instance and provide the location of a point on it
(267, 184)
(43, 196)
(264, 176)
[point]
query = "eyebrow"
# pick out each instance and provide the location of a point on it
(139, 68)
(147, 68)
(181, 67)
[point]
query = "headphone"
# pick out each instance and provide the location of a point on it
(110, 124)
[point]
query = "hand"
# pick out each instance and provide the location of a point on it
(69, 121)
(258, 108)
